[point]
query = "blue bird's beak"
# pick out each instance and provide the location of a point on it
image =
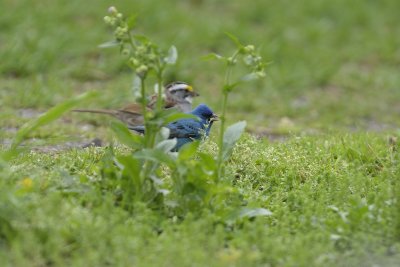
(214, 117)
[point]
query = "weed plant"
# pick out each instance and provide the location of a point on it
(197, 179)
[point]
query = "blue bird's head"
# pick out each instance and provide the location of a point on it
(205, 113)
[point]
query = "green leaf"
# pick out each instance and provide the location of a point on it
(248, 213)
(142, 38)
(172, 56)
(125, 136)
(7, 155)
(163, 134)
(212, 56)
(230, 87)
(209, 164)
(158, 181)
(131, 22)
(131, 169)
(235, 40)
(109, 44)
(51, 115)
(188, 151)
(166, 145)
(155, 155)
(254, 212)
(231, 135)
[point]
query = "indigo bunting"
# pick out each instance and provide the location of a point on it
(188, 130)
(178, 95)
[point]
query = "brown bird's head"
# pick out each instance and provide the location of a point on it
(180, 94)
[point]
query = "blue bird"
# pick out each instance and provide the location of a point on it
(188, 130)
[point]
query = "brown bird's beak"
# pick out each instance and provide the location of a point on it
(192, 92)
(214, 117)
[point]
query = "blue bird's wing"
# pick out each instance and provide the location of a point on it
(185, 129)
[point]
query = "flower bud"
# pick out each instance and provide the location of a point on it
(142, 70)
(231, 61)
(249, 48)
(152, 56)
(149, 115)
(248, 60)
(134, 62)
(107, 19)
(112, 10)
(125, 52)
(141, 49)
(260, 74)
(120, 32)
(112, 21)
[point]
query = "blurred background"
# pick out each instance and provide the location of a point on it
(334, 64)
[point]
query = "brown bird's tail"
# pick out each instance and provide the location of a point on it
(101, 111)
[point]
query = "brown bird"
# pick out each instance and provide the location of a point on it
(178, 95)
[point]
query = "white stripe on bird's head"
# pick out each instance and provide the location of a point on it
(176, 86)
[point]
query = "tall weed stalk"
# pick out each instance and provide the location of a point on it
(195, 176)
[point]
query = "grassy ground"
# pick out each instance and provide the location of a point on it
(331, 93)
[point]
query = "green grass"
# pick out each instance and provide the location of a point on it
(332, 91)
(333, 201)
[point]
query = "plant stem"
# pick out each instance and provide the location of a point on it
(144, 109)
(222, 118)
(159, 105)
(226, 89)
(160, 88)
(130, 38)
(147, 139)
(221, 134)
